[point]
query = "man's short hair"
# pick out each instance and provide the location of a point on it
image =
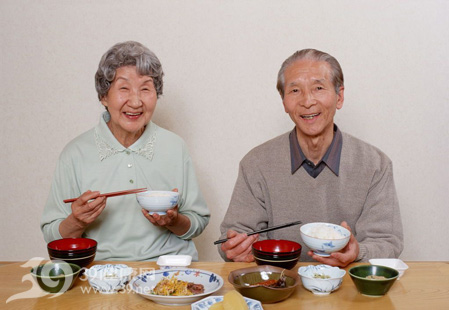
(315, 55)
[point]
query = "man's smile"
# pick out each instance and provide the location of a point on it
(310, 116)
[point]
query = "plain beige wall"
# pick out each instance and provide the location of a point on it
(221, 60)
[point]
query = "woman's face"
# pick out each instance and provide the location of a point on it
(131, 101)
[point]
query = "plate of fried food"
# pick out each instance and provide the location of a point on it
(176, 287)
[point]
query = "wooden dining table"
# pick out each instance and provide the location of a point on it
(425, 285)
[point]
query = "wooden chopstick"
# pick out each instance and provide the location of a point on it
(113, 194)
(264, 230)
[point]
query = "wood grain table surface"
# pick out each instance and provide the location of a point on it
(425, 285)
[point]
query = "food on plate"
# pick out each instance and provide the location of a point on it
(174, 287)
(233, 300)
(323, 231)
(374, 277)
(321, 276)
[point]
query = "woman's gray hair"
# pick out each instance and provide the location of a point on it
(128, 53)
(315, 55)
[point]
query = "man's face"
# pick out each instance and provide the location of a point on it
(310, 98)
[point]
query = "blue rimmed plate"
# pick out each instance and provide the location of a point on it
(144, 283)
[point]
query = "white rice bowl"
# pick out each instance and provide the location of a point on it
(324, 238)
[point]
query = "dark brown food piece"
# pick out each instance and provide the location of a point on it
(195, 288)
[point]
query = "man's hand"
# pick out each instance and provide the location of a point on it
(238, 247)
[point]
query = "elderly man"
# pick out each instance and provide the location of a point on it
(315, 173)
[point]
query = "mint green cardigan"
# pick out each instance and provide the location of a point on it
(95, 160)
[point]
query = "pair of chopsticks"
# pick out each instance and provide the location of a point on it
(263, 230)
(120, 193)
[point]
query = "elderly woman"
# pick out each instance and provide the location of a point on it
(126, 151)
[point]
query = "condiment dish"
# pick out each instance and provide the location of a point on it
(321, 279)
(108, 279)
(373, 280)
(174, 261)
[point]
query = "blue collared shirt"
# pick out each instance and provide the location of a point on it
(330, 159)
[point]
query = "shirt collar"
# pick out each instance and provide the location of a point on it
(331, 158)
(108, 145)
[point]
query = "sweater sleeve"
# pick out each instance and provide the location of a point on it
(64, 185)
(247, 209)
(192, 203)
(379, 228)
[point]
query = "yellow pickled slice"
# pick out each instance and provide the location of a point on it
(233, 300)
(217, 306)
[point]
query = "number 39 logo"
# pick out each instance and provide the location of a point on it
(35, 291)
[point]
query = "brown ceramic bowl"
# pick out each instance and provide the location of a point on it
(245, 281)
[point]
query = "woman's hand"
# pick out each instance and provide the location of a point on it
(342, 258)
(84, 211)
(238, 247)
(169, 219)
(174, 221)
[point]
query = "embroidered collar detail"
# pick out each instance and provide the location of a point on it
(105, 150)
(147, 149)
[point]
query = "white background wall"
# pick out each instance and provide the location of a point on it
(221, 60)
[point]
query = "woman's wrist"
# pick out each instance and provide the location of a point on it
(180, 226)
(71, 227)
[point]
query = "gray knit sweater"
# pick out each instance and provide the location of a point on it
(266, 194)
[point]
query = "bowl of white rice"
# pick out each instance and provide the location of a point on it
(324, 238)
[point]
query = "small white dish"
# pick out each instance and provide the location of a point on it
(206, 303)
(109, 279)
(174, 261)
(394, 263)
(321, 279)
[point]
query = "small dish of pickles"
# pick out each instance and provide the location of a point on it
(321, 279)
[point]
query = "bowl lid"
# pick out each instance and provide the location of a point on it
(276, 246)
